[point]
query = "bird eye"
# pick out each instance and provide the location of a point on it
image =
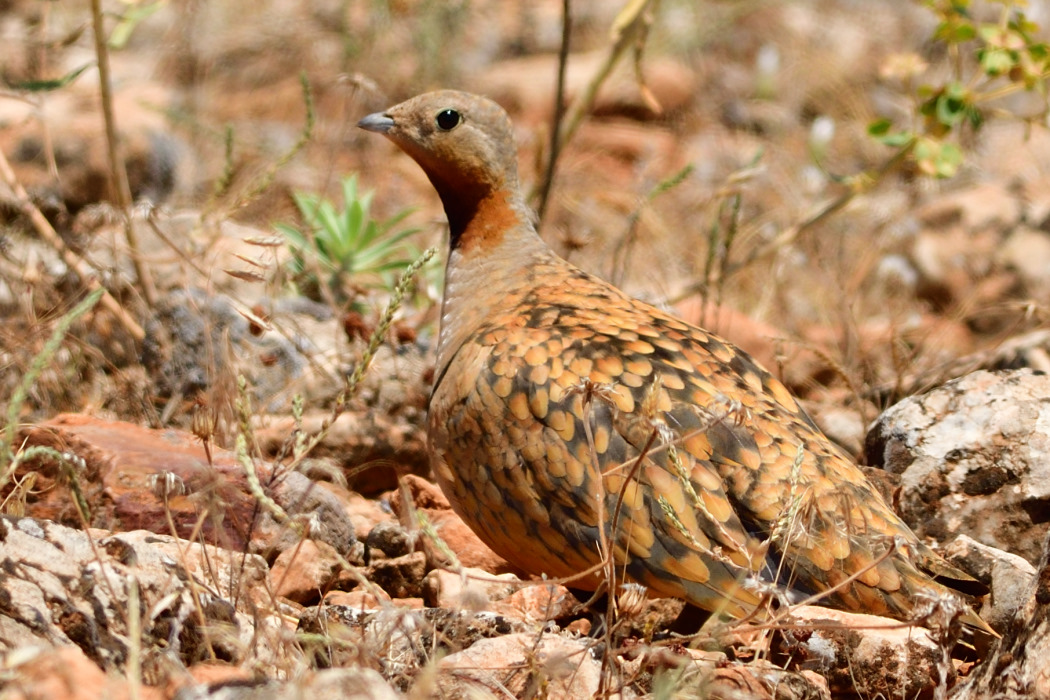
(448, 120)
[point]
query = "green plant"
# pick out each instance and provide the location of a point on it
(345, 249)
(988, 61)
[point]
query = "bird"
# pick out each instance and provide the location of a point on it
(588, 436)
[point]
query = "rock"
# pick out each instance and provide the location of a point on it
(1007, 576)
(389, 445)
(536, 603)
(364, 513)
(328, 684)
(423, 494)
(454, 534)
(951, 260)
(212, 674)
(343, 684)
(389, 538)
(515, 663)
(153, 157)
(65, 587)
(65, 673)
(197, 339)
(470, 589)
(974, 458)
(863, 654)
(1030, 350)
(985, 205)
(401, 577)
(398, 641)
(303, 572)
(134, 478)
(733, 683)
(1027, 250)
(468, 548)
(1021, 667)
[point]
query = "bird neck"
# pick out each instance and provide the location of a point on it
(492, 256)
(484, 219)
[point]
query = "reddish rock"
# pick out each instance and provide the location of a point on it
(470, 589)
(212, 674)
(303, 572)
(535, 602)
(470, 551)
(359, 598)
(424, 494)
(512, 663)
(65, 673)
(127, 469)
(364, 513)
(468, 547)
(733, 683)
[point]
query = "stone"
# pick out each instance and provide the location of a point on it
(536, 603)
(515, 663)
(863, 654)
(134, 478)
(1021, 668)
(1008, 577)
(469, 589)
(973, 457)
(390, 539)
(66, 587)
(302, 573)
(66, 673)
(401, 577)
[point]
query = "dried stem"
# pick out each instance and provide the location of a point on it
(117, 172)
(554, 148)
(73, 261)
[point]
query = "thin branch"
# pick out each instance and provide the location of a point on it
(554, 149)
(117, 172)
(73, 261)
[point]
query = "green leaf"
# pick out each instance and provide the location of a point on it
(996, 62)
(49, 85)
(130, 19)
(937, 158)
(346, 240)
(955, 31)
(952, 104)
(880, 130)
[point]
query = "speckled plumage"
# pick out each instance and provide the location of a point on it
(551, 384)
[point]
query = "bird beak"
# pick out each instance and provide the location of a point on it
(378, 122)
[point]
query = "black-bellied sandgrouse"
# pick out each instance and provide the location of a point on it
(568, 417)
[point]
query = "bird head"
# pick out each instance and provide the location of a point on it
(463, 142)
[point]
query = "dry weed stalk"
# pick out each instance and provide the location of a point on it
(117, 171)
(73, 261)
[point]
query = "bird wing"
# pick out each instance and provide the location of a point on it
(529, 437)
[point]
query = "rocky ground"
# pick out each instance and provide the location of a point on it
(157, 557)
